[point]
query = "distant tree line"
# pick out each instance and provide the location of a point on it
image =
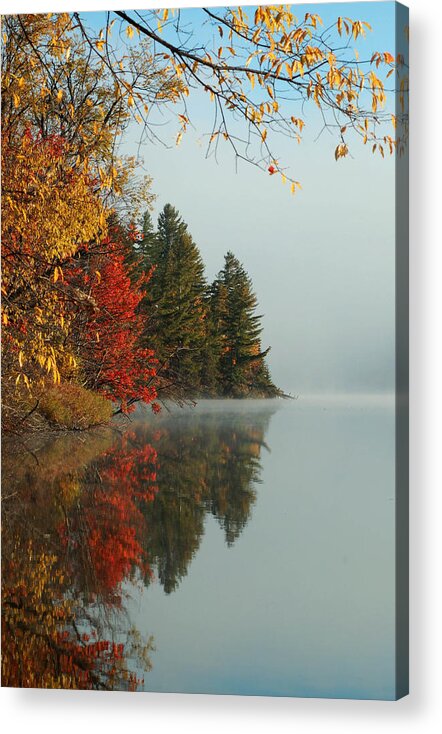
(206, 336)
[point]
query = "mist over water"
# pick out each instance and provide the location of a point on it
(302, 603)
(238, 546)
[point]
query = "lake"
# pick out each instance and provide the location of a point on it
(238, 547)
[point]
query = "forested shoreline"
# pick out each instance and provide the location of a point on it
(145, 325)
(206, 336)
(100, 310)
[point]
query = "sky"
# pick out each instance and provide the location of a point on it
(322, 262)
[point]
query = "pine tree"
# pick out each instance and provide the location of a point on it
(207, 339)
(139, 245)
(211, 378)
(177, 305)
(242, 367)
(148, 244)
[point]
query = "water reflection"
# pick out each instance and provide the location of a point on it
(72, 529)
(208, 462)
(84, 514)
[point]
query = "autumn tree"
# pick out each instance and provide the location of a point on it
(265, 68)
(61, 181)
(55, 83)
(262, 66)
(48, 211)
(105, 333)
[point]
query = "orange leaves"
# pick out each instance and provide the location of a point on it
(273, 169)
(298, 122)
(265, 51)
(341, 151)
(385, 58)
(313, 19)
(311, 56)
(297, 68)
(353, 28)
(378, 96)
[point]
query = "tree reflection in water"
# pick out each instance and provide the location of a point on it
(208, 462)
(71, 535)
(84, 514)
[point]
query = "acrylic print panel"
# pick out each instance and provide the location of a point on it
(184, 508)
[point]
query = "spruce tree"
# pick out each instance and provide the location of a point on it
(206, 339)
(176, 304)
(242, 367)
(148, 246)
(211, 378)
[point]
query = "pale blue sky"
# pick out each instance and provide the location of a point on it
(322, 262)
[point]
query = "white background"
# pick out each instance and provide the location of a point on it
(53, 711)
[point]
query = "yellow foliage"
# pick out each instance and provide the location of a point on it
(269, 48)
(48, 212)
(341, 151)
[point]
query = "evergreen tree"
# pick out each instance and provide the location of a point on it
(139, 245)
(242, 366)
(148, 244)
(207, 339)
(176, 308)
(211, 378)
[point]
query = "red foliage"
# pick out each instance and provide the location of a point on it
(85, 664)
(110, 512)
(126, 370)
(115, 364)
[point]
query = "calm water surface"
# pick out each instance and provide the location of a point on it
(241, 547)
